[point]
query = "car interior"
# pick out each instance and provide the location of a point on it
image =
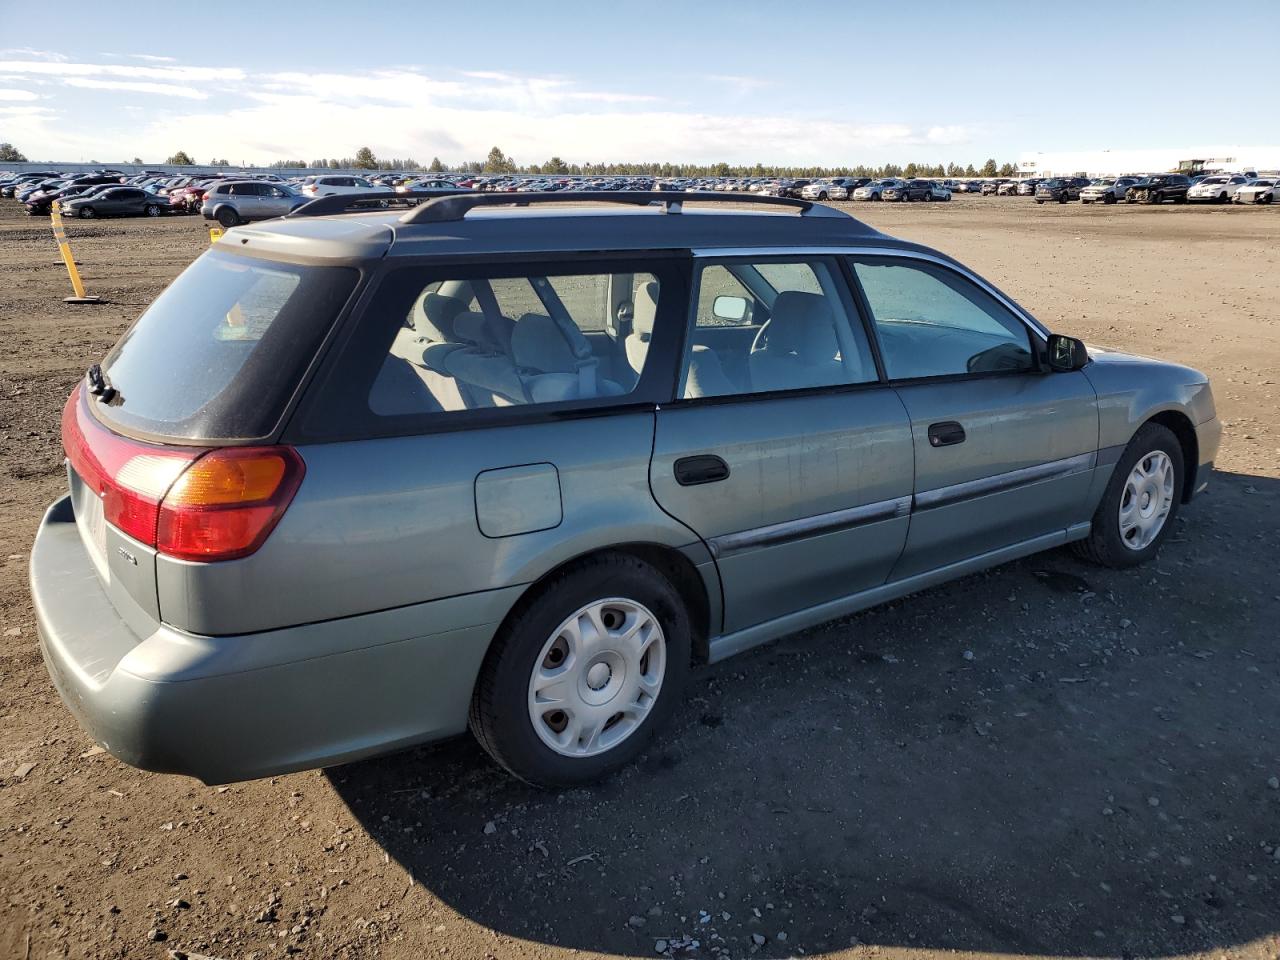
(758, 328)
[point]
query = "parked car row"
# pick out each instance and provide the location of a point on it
(232, 198)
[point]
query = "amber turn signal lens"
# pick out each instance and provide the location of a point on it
(215, 480)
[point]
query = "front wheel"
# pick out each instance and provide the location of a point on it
(1109, 199)
(1140, 502)
(86, 213)
(151, 210)
(581, 676)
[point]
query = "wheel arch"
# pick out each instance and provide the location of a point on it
(674, 564)
(1181, 426)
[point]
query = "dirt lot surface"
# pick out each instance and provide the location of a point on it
(1049, 759)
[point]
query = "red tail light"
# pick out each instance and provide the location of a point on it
(226, 504)
(187, 502)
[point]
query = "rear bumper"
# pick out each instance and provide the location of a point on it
(233, 708)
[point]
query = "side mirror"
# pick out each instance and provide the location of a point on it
(732, 309)
(1066, 353)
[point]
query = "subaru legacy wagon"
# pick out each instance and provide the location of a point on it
(362, 480)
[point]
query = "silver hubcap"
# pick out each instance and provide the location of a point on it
(597, 677)
(1146, 501)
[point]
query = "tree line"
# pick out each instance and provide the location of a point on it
(497, 162)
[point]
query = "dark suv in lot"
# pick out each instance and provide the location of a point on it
(1159, 188)
(911, 190)
(358, 481)
(1061, 189)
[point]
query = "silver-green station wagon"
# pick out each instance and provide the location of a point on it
(360, 479)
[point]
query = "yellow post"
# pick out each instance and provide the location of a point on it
(215, 234)
(60, 235)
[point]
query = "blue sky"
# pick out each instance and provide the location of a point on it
(830, 83)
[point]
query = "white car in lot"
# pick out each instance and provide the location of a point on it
(821, 190)
(875, 189)
(1219, 188)
(328, 186)
(1262, 190)
(1106, 189)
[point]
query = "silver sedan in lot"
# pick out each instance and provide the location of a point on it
(821, 190)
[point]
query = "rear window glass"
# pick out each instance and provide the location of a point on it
(219, 353)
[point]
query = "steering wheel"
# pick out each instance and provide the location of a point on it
(761, 339)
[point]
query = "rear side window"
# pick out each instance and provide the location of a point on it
(219, 353)
(442, 347)
(801, 330)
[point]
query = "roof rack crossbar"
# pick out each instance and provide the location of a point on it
(367, 201)
(452, 208)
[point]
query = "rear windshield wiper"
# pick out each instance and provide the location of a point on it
(98, 384)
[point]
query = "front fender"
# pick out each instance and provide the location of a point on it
(1131, 390)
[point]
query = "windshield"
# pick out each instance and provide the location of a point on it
(219, 353)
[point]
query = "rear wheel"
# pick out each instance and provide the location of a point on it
(1140, 502)
(87, 213)
(227, 217)
(580, 677)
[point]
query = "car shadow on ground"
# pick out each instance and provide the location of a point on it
(1046, 758)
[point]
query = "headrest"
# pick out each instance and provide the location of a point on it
(469, 326)
(645, 310)
(493, 335)
(433, 316)
(802, 323)
(539, 343)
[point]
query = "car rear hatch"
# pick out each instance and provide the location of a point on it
(169, 442)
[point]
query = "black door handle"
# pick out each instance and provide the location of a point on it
(945, 434)
(705, 468)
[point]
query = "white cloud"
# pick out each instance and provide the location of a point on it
(739, 86)
(405, 111)
(138, 86)
(30, 52)
(174, 74)
(151, 59)
(12, 94)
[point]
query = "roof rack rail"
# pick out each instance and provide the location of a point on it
(367, 202)
(452, 208)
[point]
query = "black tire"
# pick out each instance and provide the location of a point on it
(227, 217)
(499, 707)
(1153, 197)
(1038, 200)
(1104, 544)
(151, 210)
(822, 196)
(1109, 198)
(86, 213)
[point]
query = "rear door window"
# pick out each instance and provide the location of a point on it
(219, 353)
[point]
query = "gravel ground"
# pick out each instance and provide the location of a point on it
(1047, 759)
